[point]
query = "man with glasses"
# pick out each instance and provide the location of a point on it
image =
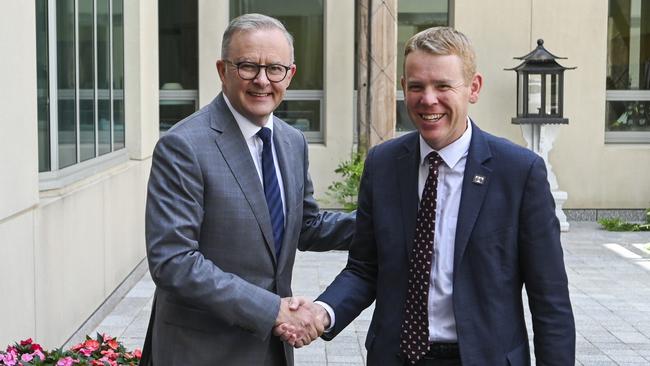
(229, 201)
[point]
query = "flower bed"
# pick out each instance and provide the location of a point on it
(103, 350)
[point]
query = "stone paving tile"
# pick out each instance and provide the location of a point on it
(610, 297)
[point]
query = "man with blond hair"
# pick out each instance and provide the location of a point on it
(452, 222)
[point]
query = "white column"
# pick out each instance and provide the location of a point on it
(141, 77)
(213, 20)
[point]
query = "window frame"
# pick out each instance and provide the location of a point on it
(623, 95)
(57, 177)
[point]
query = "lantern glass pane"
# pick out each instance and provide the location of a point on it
(520, 94)
(551, 95)
(534, 93)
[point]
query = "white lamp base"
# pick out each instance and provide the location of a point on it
(540, 139)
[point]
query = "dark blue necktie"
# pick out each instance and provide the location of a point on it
(272, 189)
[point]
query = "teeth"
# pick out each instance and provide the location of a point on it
(432, 117)
(259, 94)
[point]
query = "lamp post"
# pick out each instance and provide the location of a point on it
(540, 108)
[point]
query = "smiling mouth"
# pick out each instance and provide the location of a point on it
(432, 117)
(259, 94)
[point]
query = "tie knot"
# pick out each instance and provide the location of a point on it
(265, 134)
(434, 160)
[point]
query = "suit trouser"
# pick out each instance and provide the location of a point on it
(441, 354)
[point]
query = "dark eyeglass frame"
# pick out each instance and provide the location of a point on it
(259, 67)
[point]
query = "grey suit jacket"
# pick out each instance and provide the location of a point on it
(210, 241)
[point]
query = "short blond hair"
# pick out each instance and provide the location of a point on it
(445, 41)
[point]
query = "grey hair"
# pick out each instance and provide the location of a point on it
(445, 41)
(252, 22)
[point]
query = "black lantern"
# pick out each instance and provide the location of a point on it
(540, 88)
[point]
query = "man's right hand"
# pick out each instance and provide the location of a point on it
(300, 321)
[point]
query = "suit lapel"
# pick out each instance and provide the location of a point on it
(234, 149)
(407, 170)
(473, 194)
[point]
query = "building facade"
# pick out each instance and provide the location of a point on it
(89, 85)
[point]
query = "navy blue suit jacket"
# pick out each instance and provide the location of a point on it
(507, 235)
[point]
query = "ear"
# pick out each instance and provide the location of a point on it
(403, 82)
(292, 72)
(475, 87)
(221, 69)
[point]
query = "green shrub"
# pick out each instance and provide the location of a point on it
(345, 191)
(620, 225)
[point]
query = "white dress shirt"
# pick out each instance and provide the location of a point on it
(442, 323)
(255, 146)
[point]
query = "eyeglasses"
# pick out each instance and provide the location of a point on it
(249, 70)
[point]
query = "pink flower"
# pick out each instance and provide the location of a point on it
(10, 358)
(112, 343)
(92, 345)
(86, 352)
(39, 354)
(137, 353)
(36, 347)
(106, 337)
(26, 357)
(26, 342)
(68, 361)
(110, 354)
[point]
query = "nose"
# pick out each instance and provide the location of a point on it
(261, 79)
(429, 97)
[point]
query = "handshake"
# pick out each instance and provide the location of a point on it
(300, 321)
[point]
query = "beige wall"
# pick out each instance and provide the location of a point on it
(17, 278)
(19, 177)
(89, 237)
(595, 174)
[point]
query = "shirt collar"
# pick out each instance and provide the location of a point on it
(248, 128)
(452, 153)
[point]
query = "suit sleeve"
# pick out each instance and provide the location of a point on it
(322, 230)
(174, 214)
(542, 267)
(354, 289)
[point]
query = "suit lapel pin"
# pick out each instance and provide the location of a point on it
(478, 179)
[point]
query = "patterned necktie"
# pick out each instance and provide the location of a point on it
(272, 190)
(415, 328)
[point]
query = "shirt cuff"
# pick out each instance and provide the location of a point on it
(330, 312)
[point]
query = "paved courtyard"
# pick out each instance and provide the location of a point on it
(609, 280)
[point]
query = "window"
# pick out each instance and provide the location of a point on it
(303, 103)
(414, 16)
(178, 60)
(628, 72)
(80, 80)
